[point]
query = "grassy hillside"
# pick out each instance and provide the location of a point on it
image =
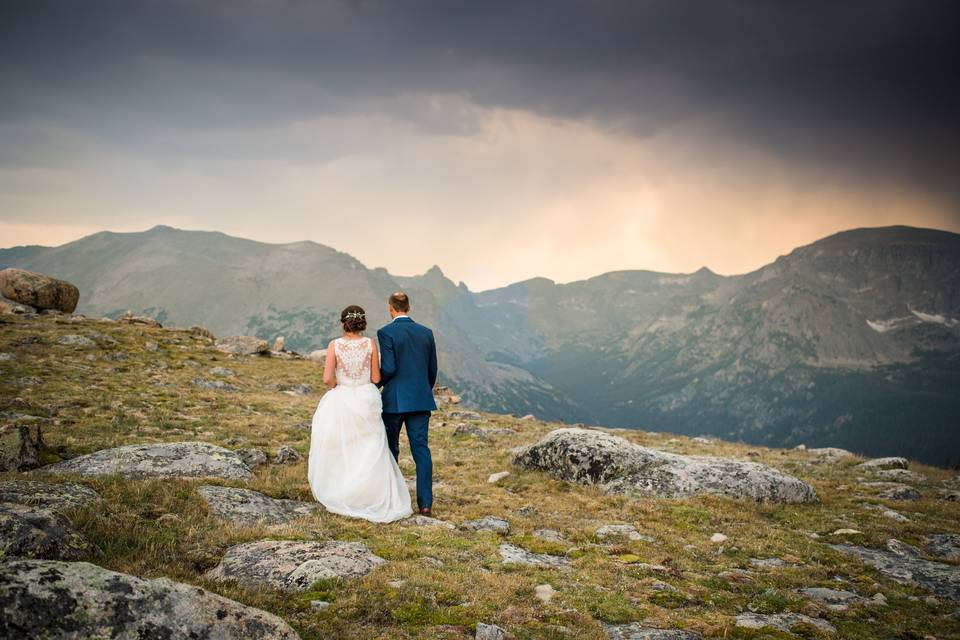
(439, 583)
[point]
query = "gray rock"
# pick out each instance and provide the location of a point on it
(885, 512)
(489, 632)
(426, 521)
(834, 599)
(319, 605)
(102, 339)
(215, 385)
(830, 454)
(242, 346)
(296, 389)
(900, 493)
(900, 475)
(768, 563)
(5, 357)
(146, 321)
(593, 457)
(48, 495)
(943, 545)
(488, 523)
(512, 554)
(884, 463)
(781, 621)
(34, 532)
(38, 291)
(76, 341)
(621, 531)
(903, 566)
(291, 565)
(223, 372)
(246, 507)
(551, 535)
(465, 415)
(159, 460)
(637, 631)
(20, 446)
(252, 457)
(196, 331)
(52, 599)
(466, 429)
(287, 455)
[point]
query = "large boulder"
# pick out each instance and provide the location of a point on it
(902, 563)
(33, 532)
(53, 599)
(48, 495)
(38, 290)
(587, 456)
(242, 345)
(246, 507)
(292, 565)
(159, 460)
(20, 446)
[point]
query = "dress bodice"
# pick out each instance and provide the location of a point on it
(353, 361)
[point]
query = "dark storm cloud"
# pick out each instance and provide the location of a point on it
(867, 86)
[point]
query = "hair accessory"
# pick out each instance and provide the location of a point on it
(354, 315)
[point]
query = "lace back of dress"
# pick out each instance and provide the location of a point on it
(353, 360)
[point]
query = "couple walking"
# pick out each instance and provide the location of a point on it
(355, 437)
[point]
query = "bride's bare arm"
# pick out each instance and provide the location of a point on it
(330, 367)
(374, 363)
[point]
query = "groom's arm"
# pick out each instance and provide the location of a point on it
(432, 365)
(388, 358)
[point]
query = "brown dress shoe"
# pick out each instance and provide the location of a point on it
(425, 511)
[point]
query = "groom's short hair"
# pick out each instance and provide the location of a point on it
(400, 302)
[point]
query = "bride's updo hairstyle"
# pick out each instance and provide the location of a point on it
(353, 319)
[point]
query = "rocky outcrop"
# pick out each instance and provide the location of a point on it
(292, 565)
(628, 531)
(467, 429)
(160, 460)
(903, 563)
(637, 631)
(76, 341)
(246, 507)
(242, 346)
(884, 463)
(287, 455)
(38, 291)
(488, 523)
(52, 599)
(213, 385)
(48, 495)
(512, 554)
(782, 621)
(252, 457)
(20, 446)
(34, 532)
(943, 545)
(587, 456)
(146, 321)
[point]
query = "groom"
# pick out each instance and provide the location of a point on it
(408, 371)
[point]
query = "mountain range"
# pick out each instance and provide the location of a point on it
(852, 341)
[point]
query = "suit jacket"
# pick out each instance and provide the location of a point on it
(408, 366)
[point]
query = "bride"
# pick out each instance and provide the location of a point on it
(350, 469)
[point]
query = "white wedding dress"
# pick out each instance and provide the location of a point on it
(350, 469)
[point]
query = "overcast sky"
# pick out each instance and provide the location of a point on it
(499, 140)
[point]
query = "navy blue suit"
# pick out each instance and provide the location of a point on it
(408, 372)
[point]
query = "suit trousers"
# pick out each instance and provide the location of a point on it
(417, 429)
